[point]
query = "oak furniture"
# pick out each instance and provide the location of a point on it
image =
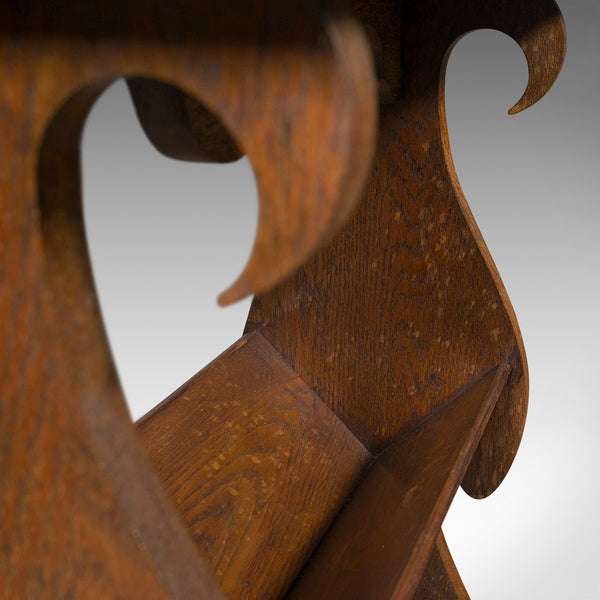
(381, 366)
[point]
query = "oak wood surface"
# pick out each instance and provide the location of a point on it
(256, 464)
(440, 579)
(355, 355)
(405, 306)
(380, 543)
(82, 512)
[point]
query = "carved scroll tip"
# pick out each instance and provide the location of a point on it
(520, 106)
(545, 47)
(523, 104)
(267, 267)
(234, 293)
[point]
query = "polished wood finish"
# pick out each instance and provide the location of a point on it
(247, 452)
(406, 307)
(381, 541)
(440, 579)
(331, 438)
(83, 513)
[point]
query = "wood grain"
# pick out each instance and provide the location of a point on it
(440, 579)
(357, 354)
(82, 512)
(380, 543)
(257, 465)
(178, 125)
(405, 306)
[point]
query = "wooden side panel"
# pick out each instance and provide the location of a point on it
(440, 579)
(257, 465)
(379, 545)
(405, 307)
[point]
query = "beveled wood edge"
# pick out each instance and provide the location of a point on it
(327, 560)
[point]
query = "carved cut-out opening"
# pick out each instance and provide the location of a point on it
(164, 236)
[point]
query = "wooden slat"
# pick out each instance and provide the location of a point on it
(257, 465)
(378, 547)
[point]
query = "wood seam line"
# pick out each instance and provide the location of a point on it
(242, 341)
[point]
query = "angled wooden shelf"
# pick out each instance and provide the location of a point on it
(247, 451)
(381, 540)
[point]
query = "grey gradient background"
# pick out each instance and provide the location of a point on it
(167, 236)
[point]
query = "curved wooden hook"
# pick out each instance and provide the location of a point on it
(312, 169)
(537, 26)
(542, 36)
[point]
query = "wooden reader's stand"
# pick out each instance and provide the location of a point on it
(381, 366)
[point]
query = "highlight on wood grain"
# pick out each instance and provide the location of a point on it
(256, 464)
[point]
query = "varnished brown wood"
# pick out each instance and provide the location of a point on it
(178, 125)
(379, 545)
(236, 477)
(405, 307)
(440, 579)
(257, 465)
(83, 512)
